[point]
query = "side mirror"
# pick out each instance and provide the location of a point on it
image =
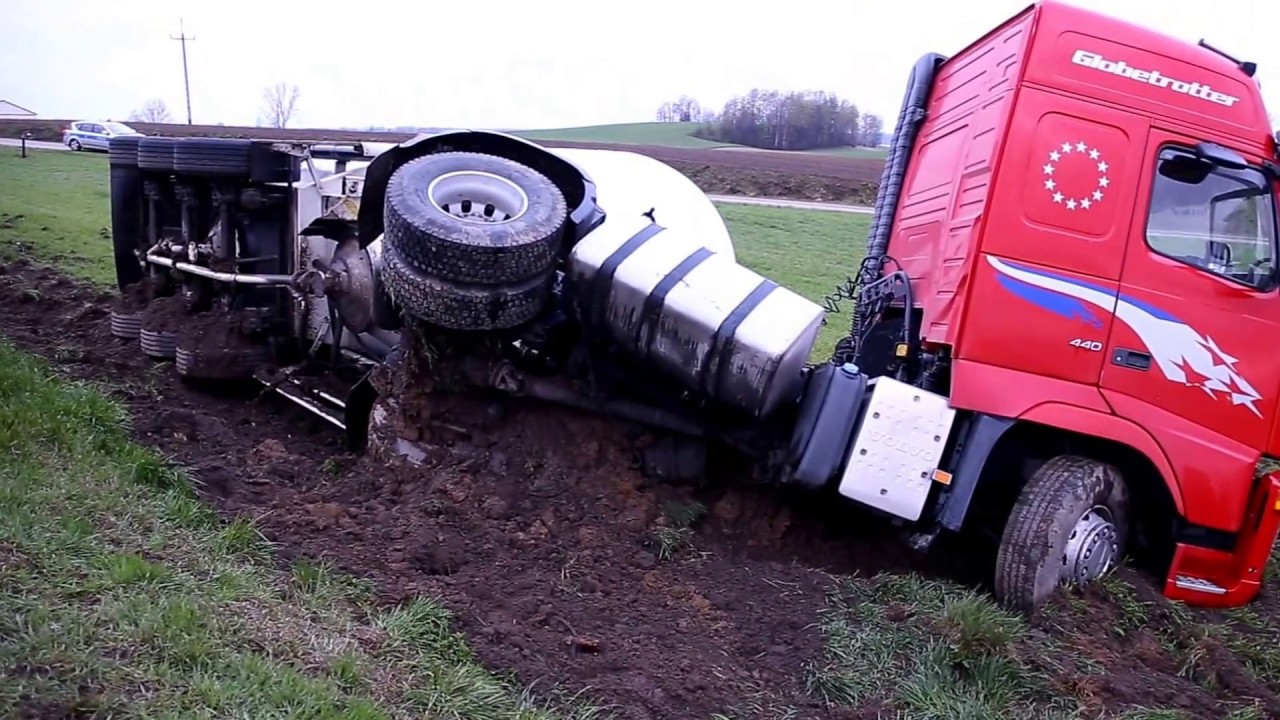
(1221, 156)
(1185, 169)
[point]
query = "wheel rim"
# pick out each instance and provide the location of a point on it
(1092, 547)
(478, 197)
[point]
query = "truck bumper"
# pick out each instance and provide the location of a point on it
(1216, 578)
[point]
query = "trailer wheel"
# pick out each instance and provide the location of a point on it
(474, 218)
(458, 306)
(156, 153)
(1068, 527)
(212, 157)
(122, 151)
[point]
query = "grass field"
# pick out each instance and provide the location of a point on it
(676, 135)
(65, 214)
(807, 251)
(849, 152)
(650, 133)
(122, 595)
(59, 203)
(840, 175)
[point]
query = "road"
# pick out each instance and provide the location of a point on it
(727, 199)
(34, 144)
(792, 204)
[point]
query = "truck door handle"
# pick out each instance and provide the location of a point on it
(1131, 359)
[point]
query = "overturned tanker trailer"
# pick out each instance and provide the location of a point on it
(603, 280)
(966, 395)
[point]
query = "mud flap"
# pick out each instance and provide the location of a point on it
(1215, 578)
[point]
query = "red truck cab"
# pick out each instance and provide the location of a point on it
(1087, 216)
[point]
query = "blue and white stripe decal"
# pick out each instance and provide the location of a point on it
(1183, 355)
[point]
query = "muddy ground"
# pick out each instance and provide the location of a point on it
(539, 536)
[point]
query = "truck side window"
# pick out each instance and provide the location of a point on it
(1218, 219)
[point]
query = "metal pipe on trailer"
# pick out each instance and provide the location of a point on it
(234, 278)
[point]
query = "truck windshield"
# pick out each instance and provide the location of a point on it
(1218, 219)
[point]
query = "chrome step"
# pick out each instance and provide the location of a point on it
(1185, 582)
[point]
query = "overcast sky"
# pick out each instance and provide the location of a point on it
(515, 64)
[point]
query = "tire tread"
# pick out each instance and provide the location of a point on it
(459, 253)
(1027, 549)
(463, 307)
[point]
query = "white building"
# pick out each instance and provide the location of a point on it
(10, 110)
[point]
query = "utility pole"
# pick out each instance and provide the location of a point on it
(186, 79)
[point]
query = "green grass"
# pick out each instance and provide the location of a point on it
(674, 135)
(928, 650)
(122, 594)
(808, 251)
(850, 152)
(58, 202)
(854, 152)
(932, 650)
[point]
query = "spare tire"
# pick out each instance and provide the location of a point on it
(156, 153)
(212, 157)
(474, 218)
(457, 306)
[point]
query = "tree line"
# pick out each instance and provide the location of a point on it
(775, 120)
(279, 105)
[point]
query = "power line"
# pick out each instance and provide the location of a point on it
(186, 80)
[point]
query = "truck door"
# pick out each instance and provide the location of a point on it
(1042, 299)
(1191, 356)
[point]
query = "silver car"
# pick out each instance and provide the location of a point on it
(94, 135)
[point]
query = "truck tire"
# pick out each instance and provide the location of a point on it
(457, 306)
(1069, 526)
(212, 157)
(474, 218)
(156, 153)
(122, 151)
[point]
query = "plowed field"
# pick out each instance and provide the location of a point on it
(802, 176)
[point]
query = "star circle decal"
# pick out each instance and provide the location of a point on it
(1087, 170)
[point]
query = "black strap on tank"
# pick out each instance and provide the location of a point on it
(603, 280)
(658, 297)
(728, 327)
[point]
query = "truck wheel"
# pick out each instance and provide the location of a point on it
(458, 306)
(474, 218)
(1068, 527)
(212, 157)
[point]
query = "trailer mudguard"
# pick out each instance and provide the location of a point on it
(577, 186)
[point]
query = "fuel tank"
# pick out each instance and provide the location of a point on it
(720, 328)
